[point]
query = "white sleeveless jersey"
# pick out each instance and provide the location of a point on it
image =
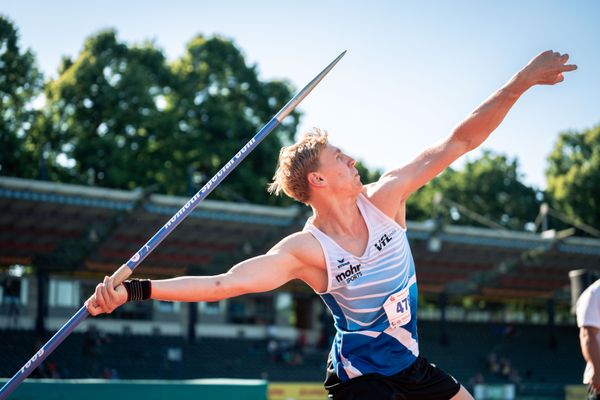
(371, 338)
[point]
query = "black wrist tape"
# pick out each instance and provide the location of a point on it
(138, 289)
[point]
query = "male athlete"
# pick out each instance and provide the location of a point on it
(353, 252)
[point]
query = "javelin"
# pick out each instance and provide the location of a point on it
(126, 269)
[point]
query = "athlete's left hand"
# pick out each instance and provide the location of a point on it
(546, 68)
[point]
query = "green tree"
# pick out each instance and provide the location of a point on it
(126, 118)
(573, 175)
(367, 175)
(490, 186)
(219, 104)
(110, 109)
(20, 83)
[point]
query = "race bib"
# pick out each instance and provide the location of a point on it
(397, 308)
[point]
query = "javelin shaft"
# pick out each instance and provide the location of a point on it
(126, 269)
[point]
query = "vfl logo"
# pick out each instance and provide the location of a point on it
(350, 274)
(385, 239)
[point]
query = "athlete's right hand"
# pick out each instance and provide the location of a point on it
(106, 298)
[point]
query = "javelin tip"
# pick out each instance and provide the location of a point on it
(342, 54)
(307, 89)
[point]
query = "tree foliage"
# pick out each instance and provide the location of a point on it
(220, 103)
(122, 116)
(128, 119)
(490, 186)
(107, 107)
(573, 175)
(20, 83)
(367, 175)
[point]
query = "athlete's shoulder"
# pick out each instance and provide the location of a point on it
(302, 245)
(393, 208)
(298, 239)
(308, 258)
(375, 192)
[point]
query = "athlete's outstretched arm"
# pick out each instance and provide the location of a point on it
(546, 68)
(258, 274)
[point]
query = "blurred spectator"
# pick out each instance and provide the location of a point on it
(110, 373)
(174, 358)
(11, 299)
(514, 377)
(505, 367)
(502, 367)
(588, 321)
(272, 348)
(493, 365)
(52, 370)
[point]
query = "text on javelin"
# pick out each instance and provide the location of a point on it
(210, 183)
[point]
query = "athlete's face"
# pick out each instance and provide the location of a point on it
(338, 169)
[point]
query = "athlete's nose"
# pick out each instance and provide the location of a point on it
(351, 161)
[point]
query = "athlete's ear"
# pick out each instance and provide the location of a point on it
(316, 179)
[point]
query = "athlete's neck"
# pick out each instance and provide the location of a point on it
(338, 216)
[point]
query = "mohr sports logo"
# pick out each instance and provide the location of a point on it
(350, 274)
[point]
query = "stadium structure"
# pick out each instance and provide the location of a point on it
(494, 304)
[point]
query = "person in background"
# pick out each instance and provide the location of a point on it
(588, 321)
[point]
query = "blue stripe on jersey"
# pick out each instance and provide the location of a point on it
(338, 315)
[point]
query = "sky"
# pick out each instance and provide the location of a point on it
(412, 72)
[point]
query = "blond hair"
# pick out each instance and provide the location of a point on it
(296, 162)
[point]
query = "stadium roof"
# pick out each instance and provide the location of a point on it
(82, 229)
(91, 231)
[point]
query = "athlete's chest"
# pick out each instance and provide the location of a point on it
(331, 265)
(381, 258)
(356, 244)
(373, 245)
